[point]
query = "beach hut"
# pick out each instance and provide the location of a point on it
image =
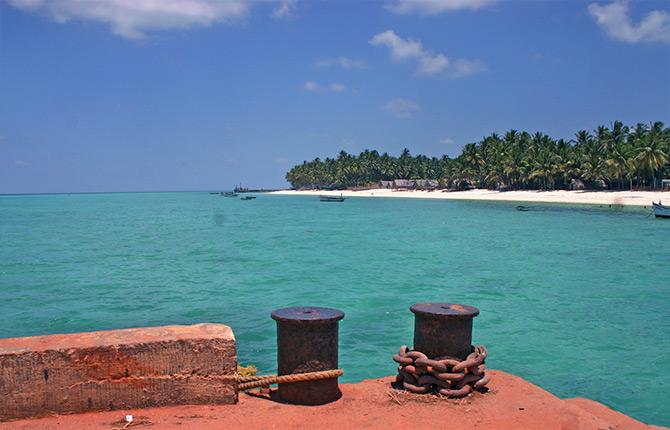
(426, 184)
(385, 184)
(577, 184)
(599, 184)
(404, 184)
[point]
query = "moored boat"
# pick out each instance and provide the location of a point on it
(661, 211)
(324, 198)
(247, 198)
(229, 194)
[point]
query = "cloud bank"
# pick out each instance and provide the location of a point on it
(343, 62)
(614, 18)
(401, 108)
(435, 7)
(285, 9)
(133, 18)
(315, 87)
(429, 63)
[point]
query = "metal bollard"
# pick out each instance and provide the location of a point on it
(443, 329)
(307, 341)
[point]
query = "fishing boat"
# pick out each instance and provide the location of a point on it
(331, 198)
(247, 198)
(229, 194)
(661, 211)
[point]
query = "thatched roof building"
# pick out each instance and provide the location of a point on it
(404, 184)
(577, 184)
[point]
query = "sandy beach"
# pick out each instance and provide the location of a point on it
(623, 198)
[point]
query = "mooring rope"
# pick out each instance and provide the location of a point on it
(241, 379)
(249, 382)
(448, 376)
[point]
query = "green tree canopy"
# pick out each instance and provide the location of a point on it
(617, 157)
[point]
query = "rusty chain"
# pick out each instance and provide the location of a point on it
(445, 375)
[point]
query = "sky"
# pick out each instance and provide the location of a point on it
(146, 95)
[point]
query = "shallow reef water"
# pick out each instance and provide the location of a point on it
(572, 298)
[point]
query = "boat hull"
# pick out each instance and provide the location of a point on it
(661, 211)
(331, 199)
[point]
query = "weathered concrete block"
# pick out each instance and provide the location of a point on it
(118, 369)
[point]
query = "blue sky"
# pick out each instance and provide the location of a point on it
(139, 95)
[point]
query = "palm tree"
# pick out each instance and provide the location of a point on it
(650, 154)
(638, 154)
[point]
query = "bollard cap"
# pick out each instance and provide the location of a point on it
(444, 310)
(307, 315)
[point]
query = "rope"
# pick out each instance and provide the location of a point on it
(265, 381)
(446, 375)
(253, 378)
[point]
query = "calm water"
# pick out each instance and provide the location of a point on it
(574, 299)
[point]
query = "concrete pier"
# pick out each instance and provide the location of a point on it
(118, 369)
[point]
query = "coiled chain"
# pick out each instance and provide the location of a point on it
(445, 375)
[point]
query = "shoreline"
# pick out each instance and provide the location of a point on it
(619, 198)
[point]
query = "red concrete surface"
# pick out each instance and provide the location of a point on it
(117, 369)
(511, 403)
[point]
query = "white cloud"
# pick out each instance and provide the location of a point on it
(344, 62)
(337, 87)
(401, 49)
(435, 7)
(431, 65)
(132, 18)
(285, 9)
(315, 87)
(617, 23)
(462, 67)
(401, 108)
(447, 141)
(311, 86)
(429, 62)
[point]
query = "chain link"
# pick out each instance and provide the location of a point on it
(446, 375)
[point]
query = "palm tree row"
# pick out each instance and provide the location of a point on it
(619, 157)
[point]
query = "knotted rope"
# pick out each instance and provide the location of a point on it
(249, 382)
(446, 375)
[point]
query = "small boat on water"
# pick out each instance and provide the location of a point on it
(247, 198)
(522, 208)
(331, 198)
(229, 194)
(661, 211)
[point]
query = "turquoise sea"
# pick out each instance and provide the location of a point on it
(573, 298)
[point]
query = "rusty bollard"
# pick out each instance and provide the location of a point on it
(307, 341)
(443, 329)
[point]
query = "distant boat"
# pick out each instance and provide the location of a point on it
(331, 198)
(522, 208)
(248, 198)
(661, 211)
(229, 194)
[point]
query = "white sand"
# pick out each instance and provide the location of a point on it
(628, 198)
